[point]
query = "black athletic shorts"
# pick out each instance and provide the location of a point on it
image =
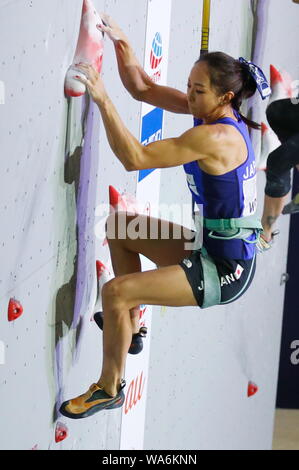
(235, 276)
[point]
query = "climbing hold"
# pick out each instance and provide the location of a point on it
(100, 268)
(121, 203)
(61, 432)
(116, 201)
(280, 84)
(252, 389)
(89, 49)
(15, 310)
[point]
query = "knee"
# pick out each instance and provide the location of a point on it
(113, 294)
(273, 162)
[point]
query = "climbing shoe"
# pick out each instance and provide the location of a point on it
(137, 339)
(94, 400)
(292, 207)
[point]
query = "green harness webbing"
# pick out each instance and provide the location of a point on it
(212, 290)
(227, 229)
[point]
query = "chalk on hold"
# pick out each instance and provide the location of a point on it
(252, 389)
(89, 49)
(61, 432)
(15, 310)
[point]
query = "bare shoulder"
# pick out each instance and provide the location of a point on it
(221, 147)
(229, 149)
(213, 139)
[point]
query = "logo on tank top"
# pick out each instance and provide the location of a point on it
(191, 183)
(249, 171)
(249, 190)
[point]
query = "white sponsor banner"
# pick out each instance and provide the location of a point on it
(147, 194)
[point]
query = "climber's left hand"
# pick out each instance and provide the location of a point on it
(93, 82)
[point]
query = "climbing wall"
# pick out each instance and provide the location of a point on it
(54, 179)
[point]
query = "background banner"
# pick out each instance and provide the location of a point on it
(147, 194)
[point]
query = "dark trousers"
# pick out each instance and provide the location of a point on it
(283, 117)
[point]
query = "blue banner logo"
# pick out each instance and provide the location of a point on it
(151, 131)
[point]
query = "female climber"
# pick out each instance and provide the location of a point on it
(220, 166)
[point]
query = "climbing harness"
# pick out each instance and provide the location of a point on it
(221, 229)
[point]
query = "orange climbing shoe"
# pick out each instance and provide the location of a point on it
(94, 400)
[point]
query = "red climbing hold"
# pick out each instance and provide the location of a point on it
(61, 432)
(252, 389)
(275, 76)
(281, 84)
(15, 310)
(264, 128)
(115, 199)
(100, 268)
(89, 50)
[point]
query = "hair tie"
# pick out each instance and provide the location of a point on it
(258, 76)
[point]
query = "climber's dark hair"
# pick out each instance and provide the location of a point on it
(228, 74)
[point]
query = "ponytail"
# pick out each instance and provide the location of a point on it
(236, 104)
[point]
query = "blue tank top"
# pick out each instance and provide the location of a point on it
(231, 195)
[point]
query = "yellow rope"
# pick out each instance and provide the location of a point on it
(205, 26)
